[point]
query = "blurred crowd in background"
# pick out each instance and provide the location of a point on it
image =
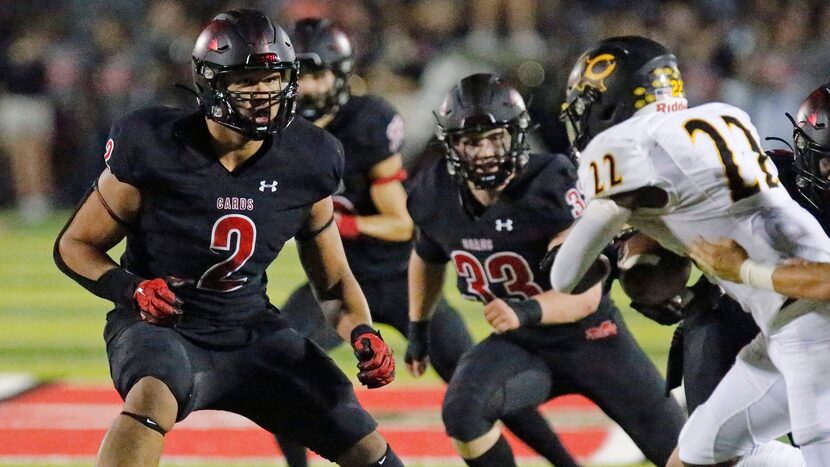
(69, 67)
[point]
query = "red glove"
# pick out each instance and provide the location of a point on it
(347, 224)
(375, 360)
(156, 302)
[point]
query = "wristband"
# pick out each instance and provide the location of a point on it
(117, 285)
(347, 224)
(757, 275)
(418, 330)
(399, 176)
(361, 329)
(528, 311)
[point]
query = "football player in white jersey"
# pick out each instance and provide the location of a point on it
(809, 170)
(677, 174)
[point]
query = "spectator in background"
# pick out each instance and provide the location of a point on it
(27, 122)
(752, 53)
(520, 21)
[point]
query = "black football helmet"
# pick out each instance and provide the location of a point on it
(479, 103)
(811, 137)
(614, 79)
(321, 45)
(243, 40)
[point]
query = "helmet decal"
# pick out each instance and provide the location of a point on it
(596, 70)
(614, 79)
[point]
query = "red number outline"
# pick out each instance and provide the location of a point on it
(505, 267)
(468, 267)
(217, 277)
(575, 200)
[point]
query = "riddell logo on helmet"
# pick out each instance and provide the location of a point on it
(672, 106)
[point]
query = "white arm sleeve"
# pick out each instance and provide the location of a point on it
(600, 221)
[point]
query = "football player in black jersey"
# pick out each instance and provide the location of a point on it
(207, 200)
(806, 175)
(371, 214)
(500, 210)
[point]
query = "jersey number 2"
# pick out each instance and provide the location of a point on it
(507, 268)
(738, 187)
(236, 232)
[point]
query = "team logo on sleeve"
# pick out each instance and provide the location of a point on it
(395, 133)
(108, 151)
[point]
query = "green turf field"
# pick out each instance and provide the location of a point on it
(51, 327)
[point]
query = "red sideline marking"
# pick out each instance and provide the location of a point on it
(253, 443)
(81, 414)
(386, 399)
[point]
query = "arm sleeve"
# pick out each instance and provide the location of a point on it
(600, 221)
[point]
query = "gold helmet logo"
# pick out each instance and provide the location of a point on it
(596, 70)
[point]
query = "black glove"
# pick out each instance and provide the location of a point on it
(417, 348)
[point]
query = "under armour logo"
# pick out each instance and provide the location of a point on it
(272, 186)
(505, 224)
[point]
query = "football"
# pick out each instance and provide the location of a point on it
(649, 273)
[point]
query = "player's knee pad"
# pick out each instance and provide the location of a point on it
(465, 415)
(146, 421)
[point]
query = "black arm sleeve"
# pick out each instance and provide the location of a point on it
(116, 285)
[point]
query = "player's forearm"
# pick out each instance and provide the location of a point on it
(426, 281)
(82, 258)
(561, 308)
(600, 222)
(90, 266)
(333, 283)
(353, 309)
(803, 280)
(386, 227)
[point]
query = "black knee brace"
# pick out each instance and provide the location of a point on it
(146, 421)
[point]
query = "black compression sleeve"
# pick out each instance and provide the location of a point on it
(116, 285)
